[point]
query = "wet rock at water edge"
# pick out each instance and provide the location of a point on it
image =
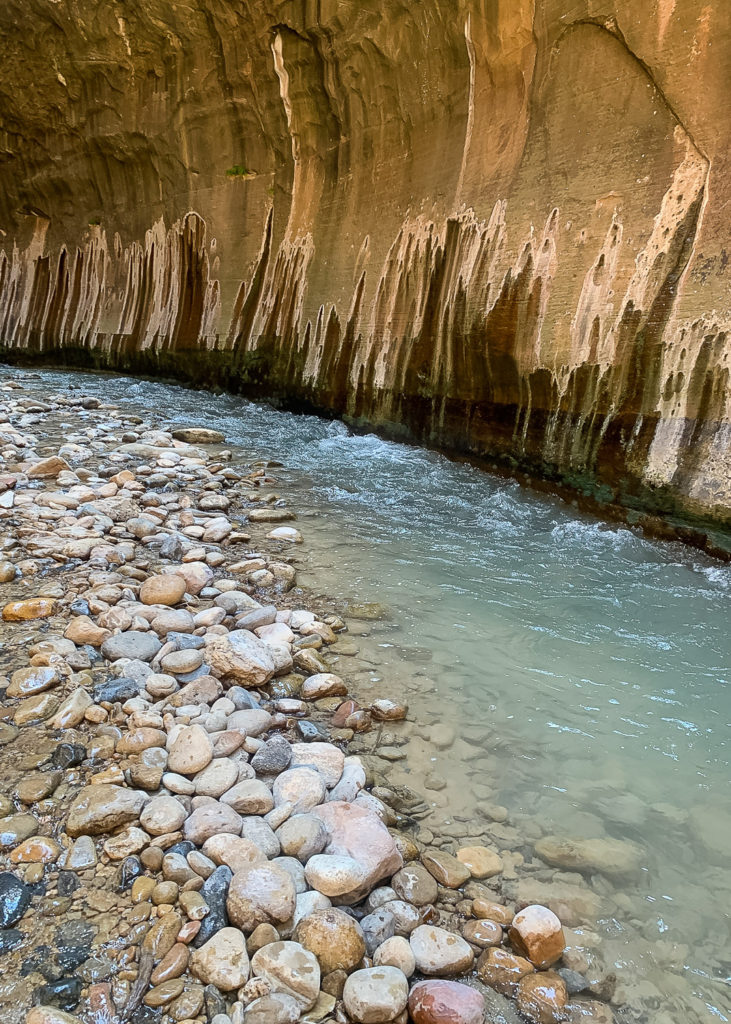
(14, 899)
(52, 1015)
(445, 868)
(82, 855)
(75, 933)
(311, 732)
(10, 939)
(198, 435)
(64, 993)
(71, 957)
(213, 1001)
(260, 894)
(541, 997)
(536, 934)
(445, 1002)
(130, 869)
(40, 961)
(67, 883)
(503, 970)
(480, 861)
(482, 933)
(26, 682)
(37, 786)
(32, 608)
(611, 857)
(275, 1008)
(414, 884)
(17, 827)
(68, 755)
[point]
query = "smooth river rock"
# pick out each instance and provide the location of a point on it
(289, 969)
(191, 751)
(102, 808)
(359, 834)
(222, 961)
(376, 995)
(612, 857)
(536, 934)
(15, 897)
(240, 657)
(334, 937)
(541, 997)
(166, 589)
(132, 644)
(445, 1002)
(259, 894)
(440, 952)
(211, 820)
(326, 758)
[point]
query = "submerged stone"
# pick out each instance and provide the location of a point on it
(15, 899)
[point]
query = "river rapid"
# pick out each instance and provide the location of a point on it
(566, 679)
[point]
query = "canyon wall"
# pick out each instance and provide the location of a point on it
(496, 227)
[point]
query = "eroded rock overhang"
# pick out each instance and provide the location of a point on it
(499, 228)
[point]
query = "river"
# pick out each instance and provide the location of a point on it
(584, 671)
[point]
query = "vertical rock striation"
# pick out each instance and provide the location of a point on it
(501, 228)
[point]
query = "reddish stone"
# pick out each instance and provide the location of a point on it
(347, 708)
(502, 970)
(541, 997)
(100, 1000)
(445, 1002)
(189, 931)
(536, 933)
(359, 721)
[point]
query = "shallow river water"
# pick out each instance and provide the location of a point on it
(583, 670)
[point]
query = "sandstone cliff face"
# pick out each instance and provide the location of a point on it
(499, 226)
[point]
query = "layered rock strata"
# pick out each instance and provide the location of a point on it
(498, 228)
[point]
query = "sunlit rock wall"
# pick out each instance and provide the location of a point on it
(499, 227)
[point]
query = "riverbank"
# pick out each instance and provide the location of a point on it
(654, 513)
(185, 812)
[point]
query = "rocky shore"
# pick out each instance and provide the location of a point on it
(188, 832)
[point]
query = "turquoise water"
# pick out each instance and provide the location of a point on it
(597, 663)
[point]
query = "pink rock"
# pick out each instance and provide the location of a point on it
(360, 834)
(100, 1001)
(189, 931)
(445, 1002)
